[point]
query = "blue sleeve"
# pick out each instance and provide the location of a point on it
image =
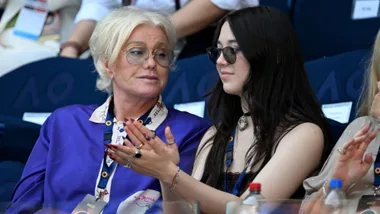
(28, 195)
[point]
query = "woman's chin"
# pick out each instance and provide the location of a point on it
(148, 93)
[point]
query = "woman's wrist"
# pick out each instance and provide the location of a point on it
(167, 175)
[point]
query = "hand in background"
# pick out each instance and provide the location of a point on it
(350, 166)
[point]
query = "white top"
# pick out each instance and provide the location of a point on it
(97, 9)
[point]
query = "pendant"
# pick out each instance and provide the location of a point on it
(242, 123)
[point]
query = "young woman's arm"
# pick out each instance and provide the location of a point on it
(297, 156)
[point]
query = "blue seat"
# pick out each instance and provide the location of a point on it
(1, 129)
(18, 138)
(16, 143)
(9, 180)
(325, 28)
(339, 79)
(190, 80)
(41, 86)
(46, 85)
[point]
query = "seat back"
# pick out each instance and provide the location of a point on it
(326, 28)
(339, 79)
(48, 84)
(190, 80)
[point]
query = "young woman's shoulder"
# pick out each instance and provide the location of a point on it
(306, 134)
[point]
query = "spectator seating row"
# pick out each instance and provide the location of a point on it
(49, 84)
(327, 28)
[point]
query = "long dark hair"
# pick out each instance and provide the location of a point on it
(277, 90)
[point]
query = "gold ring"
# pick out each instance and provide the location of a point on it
(140, 146)
(341, 151)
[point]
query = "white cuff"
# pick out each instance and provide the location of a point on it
(234, 4)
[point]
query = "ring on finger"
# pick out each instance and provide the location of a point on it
(171, 142)
(128, 164)
(138, 153)
(140, 146)
(153, 134)
(341, 151)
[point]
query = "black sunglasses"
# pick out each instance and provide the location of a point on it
(229, 54)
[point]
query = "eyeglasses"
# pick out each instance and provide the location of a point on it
(138, 55)
(229, 54)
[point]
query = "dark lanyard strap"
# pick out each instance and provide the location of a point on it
(127, 2)
(376, 170)
(177, 5)
(229, 160)
(107, 170)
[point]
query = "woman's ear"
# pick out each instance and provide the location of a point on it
(109, 70)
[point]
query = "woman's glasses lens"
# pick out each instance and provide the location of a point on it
(229, 54)
(163, 56)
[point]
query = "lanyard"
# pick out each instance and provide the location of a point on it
(128, 2)
(376, 170)
(229, 160)
(107, 170)
(177, 5)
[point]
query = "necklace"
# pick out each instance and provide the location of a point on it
(243, 122)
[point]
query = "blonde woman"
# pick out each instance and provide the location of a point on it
(355, 159)
(68, 168)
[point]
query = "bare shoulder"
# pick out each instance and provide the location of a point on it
(304, 135)
(309, 130)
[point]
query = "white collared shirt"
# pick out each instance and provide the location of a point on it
(157, 115)
(100, 114)
(97, 9)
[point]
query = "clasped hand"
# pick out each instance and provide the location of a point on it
(156, 155)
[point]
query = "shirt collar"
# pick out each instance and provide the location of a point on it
(100, 114)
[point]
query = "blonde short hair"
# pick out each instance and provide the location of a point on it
(114, 29)
(370, 84)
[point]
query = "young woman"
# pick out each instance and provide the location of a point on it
(268, 124)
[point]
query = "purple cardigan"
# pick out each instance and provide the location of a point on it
(65, 162)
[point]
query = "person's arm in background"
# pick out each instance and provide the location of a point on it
(195, 16)
(349, 167)
(184, 20)
(91, 11)
(198, 14)
(55, 5)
